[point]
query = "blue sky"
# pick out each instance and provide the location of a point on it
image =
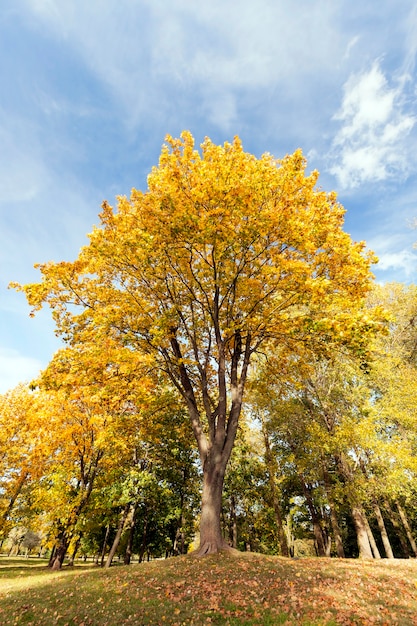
(90, 88)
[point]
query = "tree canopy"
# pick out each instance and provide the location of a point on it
(223, 257)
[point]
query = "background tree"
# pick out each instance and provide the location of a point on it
(92, 408)
(24, 450)
(394, 393)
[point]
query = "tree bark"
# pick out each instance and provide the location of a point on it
(142, 548)
(398, 529)
(64, 539)
(383, 532)
(365, 551)
(407, 528)
(178, 546)
(51, 556)
(337, 534)
(372, 542)
(119, 534)
(211, 538)
(232, 523)
(319, 538)
(132, 524)
(104, 546)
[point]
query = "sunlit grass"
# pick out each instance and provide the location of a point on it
(253, 590)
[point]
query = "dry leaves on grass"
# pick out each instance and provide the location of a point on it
(246, 589)
(317, 590)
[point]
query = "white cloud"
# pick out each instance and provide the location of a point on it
(403, 260)
(146, 52)
(371, 143)
(16, 368)
(394, 245)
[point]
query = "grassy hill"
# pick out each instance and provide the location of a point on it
(221, 589)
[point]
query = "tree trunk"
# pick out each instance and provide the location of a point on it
(179, 542)
(319, 538)
(216, 446)
(211, 538)
(178, 547)
(104, 546)
(407, 528)
(289, 535)
(398, 529)
(280, 527)
(51, 556)
(232, 523)
(271, 464)
(337, 533)
(74, 552)
(119, 534)
(132, 524)
(383, 531)
(142, 548)
(365, 551)
(61, 550)
(371, 537)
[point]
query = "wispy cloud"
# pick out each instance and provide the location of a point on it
(16, 367)
(370, 145)
(22, 172)
(147, 52)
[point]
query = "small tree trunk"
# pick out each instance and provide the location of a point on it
(52, 556)
(337, 534)
(407, 528)
(142, 548)
(272, 466)
(365, 551)
(383, 531)
(211, 539)
(289, 535)
(104, 546)
(178, 546)
(371, 537)
(232, 523)
(119, 534)
(393, 519)
(129, 547)
(282, 538)
(74, 552)
(315, 518)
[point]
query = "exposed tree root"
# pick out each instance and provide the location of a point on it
(209, 547)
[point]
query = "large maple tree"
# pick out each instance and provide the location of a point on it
(224, 255)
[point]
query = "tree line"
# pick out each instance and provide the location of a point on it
(224, 309)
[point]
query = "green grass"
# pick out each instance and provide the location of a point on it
(228, 588)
